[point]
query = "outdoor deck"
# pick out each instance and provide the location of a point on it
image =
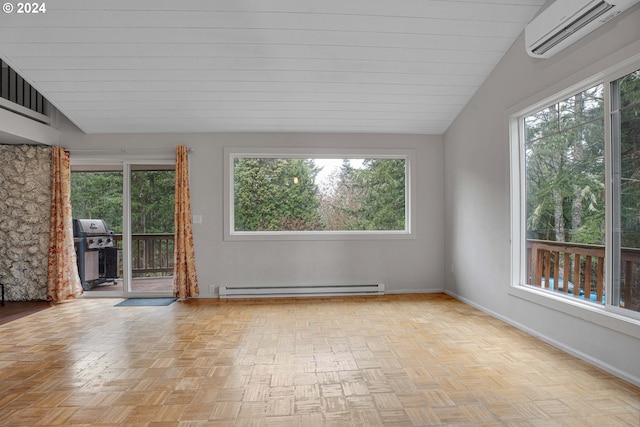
(578, 270)
(144, 284)
(152, 253)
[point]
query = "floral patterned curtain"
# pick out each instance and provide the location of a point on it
(63, 281)
(185, 282)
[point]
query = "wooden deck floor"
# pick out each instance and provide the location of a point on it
(146, 284)
(409, 360)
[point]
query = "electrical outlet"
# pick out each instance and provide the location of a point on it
(212, 289)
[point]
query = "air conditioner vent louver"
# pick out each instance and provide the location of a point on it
(566, 21)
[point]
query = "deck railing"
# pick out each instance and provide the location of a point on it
(578, 269)
(569, 268)
(151, 254)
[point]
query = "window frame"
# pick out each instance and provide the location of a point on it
(231, 153)
(613, 243)
(608, 315)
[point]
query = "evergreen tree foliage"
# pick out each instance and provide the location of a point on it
(152, 201)
(380, 185)
(629, 111)
(99, 195)
(564, 156)
(275, 194)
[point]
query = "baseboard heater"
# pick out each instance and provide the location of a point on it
(237, 291)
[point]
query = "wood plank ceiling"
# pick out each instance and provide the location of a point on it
(379, 66)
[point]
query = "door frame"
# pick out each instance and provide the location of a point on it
(127, 232)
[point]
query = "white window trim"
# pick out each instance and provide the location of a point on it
(230, 153)
(615, 318)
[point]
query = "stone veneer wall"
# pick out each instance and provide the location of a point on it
(25, 197)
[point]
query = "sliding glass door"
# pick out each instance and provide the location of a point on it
(135, 202)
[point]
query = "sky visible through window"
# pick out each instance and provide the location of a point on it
(331, 166)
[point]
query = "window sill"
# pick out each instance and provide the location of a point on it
(579, 309)
(318, 235)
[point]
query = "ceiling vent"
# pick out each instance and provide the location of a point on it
(566, 21)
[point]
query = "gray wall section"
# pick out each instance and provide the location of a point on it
(477, 197)
(408, 265)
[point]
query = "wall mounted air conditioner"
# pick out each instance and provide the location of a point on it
(566, 21)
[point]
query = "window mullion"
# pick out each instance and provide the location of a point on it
(612, 177)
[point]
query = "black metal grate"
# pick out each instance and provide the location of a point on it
(15, 89)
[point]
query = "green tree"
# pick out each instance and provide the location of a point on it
(275, 194)
(629, 110)
(98, 195)
(152, 201)
(380, 184)
(565, 170)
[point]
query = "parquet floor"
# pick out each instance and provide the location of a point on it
(409, 360)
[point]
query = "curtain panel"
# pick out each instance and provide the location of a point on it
(63, 281)
(185, 281)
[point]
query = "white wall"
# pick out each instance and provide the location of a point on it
(477, 210)
(413, 265)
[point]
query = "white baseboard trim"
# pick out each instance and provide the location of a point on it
(580, 355)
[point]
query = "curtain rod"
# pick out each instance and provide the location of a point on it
(125, 150)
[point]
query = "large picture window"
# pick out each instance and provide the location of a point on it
(295, 194)
(576, 194)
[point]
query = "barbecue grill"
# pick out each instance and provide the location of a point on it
(91, 237)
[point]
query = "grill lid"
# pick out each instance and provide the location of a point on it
(90, 227)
